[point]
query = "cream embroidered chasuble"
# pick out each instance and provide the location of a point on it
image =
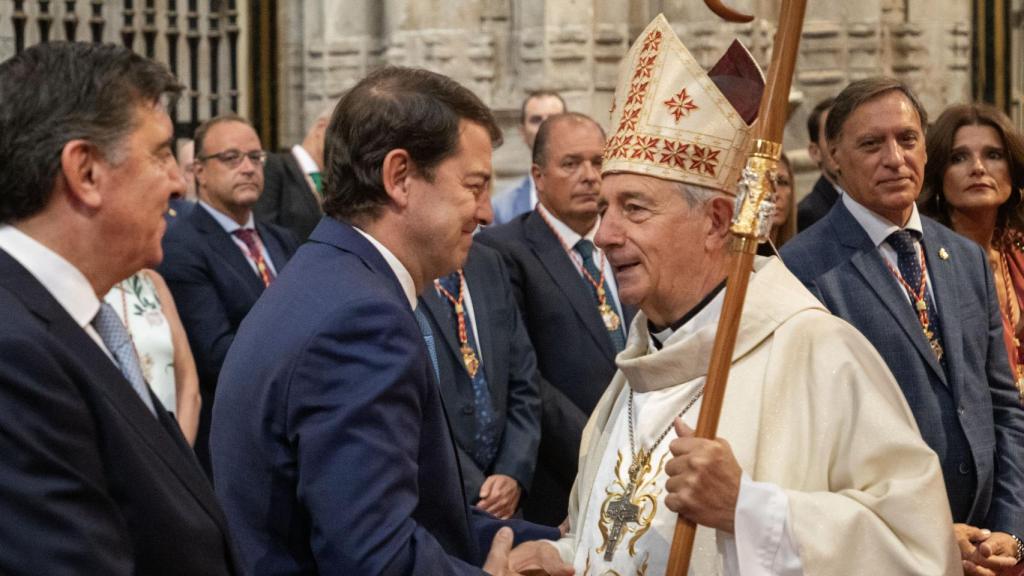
(810, 407)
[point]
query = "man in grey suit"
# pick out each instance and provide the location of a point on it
(924, 297)
(567, 295)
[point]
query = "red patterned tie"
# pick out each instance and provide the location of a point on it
(248, 235)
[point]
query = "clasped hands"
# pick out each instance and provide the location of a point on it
(983, 552)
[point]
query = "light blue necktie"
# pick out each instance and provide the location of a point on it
(114, 335)
(428, 338)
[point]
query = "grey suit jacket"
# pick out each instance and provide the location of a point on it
(969, 412)
(509, 365)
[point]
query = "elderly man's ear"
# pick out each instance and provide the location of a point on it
(719, 218)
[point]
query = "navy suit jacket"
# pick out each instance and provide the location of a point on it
(509, 365)
(90, 481)
(332, 452)
(969, 413)
(575, 355)
(214, 286)
(512, 202)
(287, 199)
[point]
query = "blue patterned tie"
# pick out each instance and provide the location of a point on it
(115, 337)
(428, 338)
(585, 248)
(904, 243)
(485, 441)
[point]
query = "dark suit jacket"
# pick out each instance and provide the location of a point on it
(509, 364)
(816, 204)
(574, 352)
(332, 452)
(90, 481)
(968, 413)
(214, 286)
(287, 200)
(512, 202)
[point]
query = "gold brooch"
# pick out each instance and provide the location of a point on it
(943, 254)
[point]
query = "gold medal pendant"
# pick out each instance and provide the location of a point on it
(1020, 383)
(934, 343)
(470, 360)
(611, 319)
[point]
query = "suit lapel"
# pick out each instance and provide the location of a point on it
(221, 243)
(107, 378)
(476, 282)
(870, 263)
(278, 256)
(563, 272)
(440, 309)
(298, 177)
(947, 303)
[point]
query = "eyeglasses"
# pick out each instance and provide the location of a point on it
(233, 158)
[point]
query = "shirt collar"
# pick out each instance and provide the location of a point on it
(306, 162)
(404, 278)
(62, 280)
(226, 222)
(568, 235)
(876, 227)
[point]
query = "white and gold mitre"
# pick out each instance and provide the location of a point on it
(673, 120)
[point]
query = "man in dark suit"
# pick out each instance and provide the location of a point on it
(566, 292)
(521, 198)
(332, 452)
(924, 297)
(293, 184)
(819, 201)
(495, 411)
(219, 258)
(96, 477)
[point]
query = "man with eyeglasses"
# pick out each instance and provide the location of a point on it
(219, 258)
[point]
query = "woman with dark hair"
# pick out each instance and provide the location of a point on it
(974, 182)
(784, 217)
(784, 220)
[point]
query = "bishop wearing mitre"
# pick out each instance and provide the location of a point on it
(819, 467)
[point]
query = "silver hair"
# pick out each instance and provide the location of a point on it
(698, 195)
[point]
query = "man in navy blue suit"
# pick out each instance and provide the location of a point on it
(95, 475)
(488, 374)
(218, 257)
(331, 447)
(567, 294)
(924, 297)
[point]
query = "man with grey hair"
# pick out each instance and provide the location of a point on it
(924, 297)
(816, 444)
(293, 186)
(96, 477)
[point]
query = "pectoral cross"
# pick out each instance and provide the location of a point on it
(621, 511)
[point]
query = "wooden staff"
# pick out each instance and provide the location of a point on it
(749, 225)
